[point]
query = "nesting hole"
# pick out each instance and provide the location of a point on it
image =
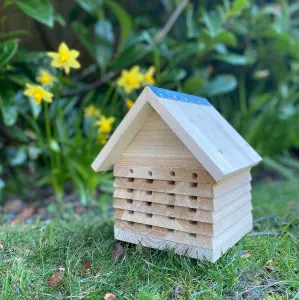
(149, 203)
(130, 191)
(172, 173)
(148, 192)
(149, 215)
(193, 235)
(171, 182)
(193, 184)
(194, 175)
(192, 197)
(193, 222)
(193, 210)
(149, 180)
(131, 171)
(131, 212)
(150, 173)
(171, 194)
(170, 206)
(171, 218)
(149, 226)
(130, 179)
(129, 201)
(131, 223)
(170, 230)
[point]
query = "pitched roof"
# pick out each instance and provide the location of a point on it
(209, 137)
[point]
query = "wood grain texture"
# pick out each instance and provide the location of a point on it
(183, 200)
(180, 248)
(181, 212)
(181, 224)
(124, 133)
(149, 171)
(156, 144)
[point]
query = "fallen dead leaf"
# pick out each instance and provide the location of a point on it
(56, 277)
(110, 296)
(85, 268)
(270, 265)
(118, 253)
(13, 206)
(245, 254)
(25, 214)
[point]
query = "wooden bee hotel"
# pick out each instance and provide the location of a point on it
(182, 176)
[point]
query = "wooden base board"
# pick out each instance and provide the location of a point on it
(183, 200)
(179, 211)
(181, 224)
(180, 248)
(192, 239)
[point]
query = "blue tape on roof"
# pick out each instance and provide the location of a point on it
(167, 94)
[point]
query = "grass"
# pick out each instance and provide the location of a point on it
(268, 270)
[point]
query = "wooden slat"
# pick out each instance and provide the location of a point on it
(174, 236)
(161, 244)
(165, 222)
(180, 212)
(149, 171)
(183, 188)
(180, 248)
(181, 224)
(183, 200)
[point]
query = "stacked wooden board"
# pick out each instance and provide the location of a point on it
(181, 209)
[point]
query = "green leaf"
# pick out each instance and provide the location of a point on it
(91, 6)
(35, 108)
(16, 156)
(83, 35)
(7, 51)
(235, 59)
(104, 40)
(13, 34)
(212, 21)
(221, 84)
(54, 146)
(2, 184)
(34, 152)
(124, 19)
(59, 19)
(8, 107)
(237, 7)
(40, 10)
(131, 55)
(193, 84)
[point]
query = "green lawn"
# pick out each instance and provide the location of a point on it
(268, 268)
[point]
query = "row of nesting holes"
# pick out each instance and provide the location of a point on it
(171, 182)
(193, 210)
(169, 230)
(171, 173)
(169, 194)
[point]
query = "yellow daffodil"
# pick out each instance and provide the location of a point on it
(65, 58)
(129, 103)
(102, 139)
(45, 78)
(92, 111)
(131, 79)
(38, 93)
(149, 76)
(105, 124)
